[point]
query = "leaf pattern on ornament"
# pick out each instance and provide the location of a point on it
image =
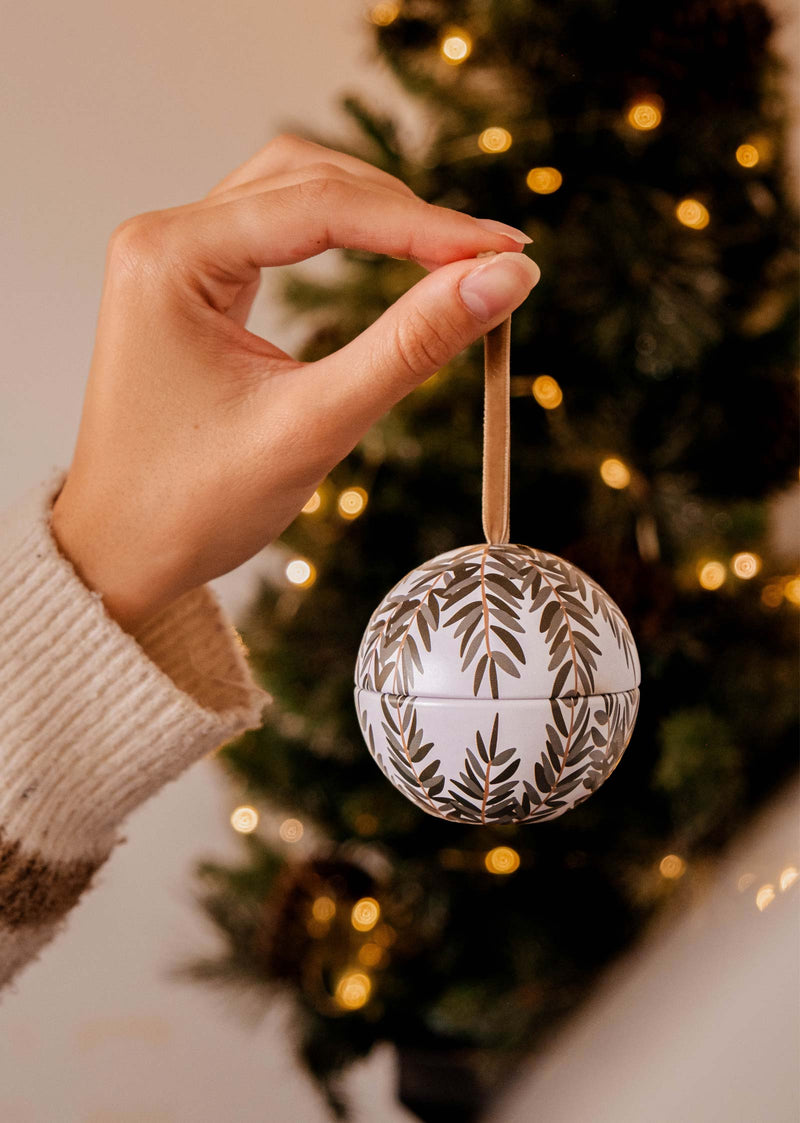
(485, 791)
(417, 778)
(584, 745)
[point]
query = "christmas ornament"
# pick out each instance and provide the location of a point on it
(497, 683)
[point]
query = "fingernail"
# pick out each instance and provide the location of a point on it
(498, 285)
(504, 228)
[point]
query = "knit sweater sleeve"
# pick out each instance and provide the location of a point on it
(92, 720)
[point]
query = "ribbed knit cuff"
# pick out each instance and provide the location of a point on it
(93, 720)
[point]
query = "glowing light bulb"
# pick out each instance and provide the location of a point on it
(494, 139)
(352, 502)
(547, 392)
(692, 213)
(353, 990)
(672, 867)
(792, 590)
(371, 955)
(764, 897)
(745, 565)
(314, 504)
(301, 573)
(747, 155)
(772, 596)
(456, 45)
(365, 914)
(644, 115)
(788, 877)
(502, 859)
(323, 909)
(384, 14)
(244, 819)
(291, 830)
(711, 574)
(614, 473)
(544, 181)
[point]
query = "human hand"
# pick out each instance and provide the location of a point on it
(199, 441)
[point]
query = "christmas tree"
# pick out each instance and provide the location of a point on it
(654, 408)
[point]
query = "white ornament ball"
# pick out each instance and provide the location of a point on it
(497, 684)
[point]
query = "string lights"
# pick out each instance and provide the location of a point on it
(747, 155)
(693, 214)
(244, 819)
(290, 830)
(365, 914)
(495, 139)
(352, 502)
(455, 46)
(353, 990)
(672, 867)
(502, 860)
(614, 473)
(711, 574)
(547, 392)
(301, 573)
(645, 115)
(745, 565)
(313, 504)
(544, 181)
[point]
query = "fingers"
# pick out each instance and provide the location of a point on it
(288, 153)
(289, 224)
(421, 332)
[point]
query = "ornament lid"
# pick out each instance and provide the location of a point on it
(498, 620)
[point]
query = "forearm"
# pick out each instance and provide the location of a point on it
(92, 720)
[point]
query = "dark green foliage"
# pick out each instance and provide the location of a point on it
(675, 350)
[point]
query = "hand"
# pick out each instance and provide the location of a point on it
(200, 441)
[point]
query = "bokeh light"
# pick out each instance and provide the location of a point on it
(323, 909)
(544, 181)
(788, 877)
(772, 596)
(494, 139)
(747, 155)
(745, 565)
(547, 392)
(244, 819)
(711, 574)
(291, 830)
(456, 45)
(371, 955)
(502, 859)
(692, 213)
(352, 502)
(366, 823)
(764, 897)
(313, 504)
(353, 990)
(384, 14)
(672, 867)
(792, 590)
(644, 115)
(614, 473)
(365, 913)
(301, 573)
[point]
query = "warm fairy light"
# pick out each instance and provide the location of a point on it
(353, 990)
(792, 590)
(788, 877)
(747, 155)
(547, 392)
(672, 867)
(494, 139)
(314, 504)
(323, 909)
(352, 502)
(371, 955)
(244, 819)
(384, 14)
(745, 881)
(291, 830)
(772, 596)
(765, 896)
(711, 574)
(614, 473)
(745, 565)
(366, 823)
(692, 213)
(456, 45)
(502, 859)
(384, 935)
(644, 115)
(544, 181)
(365, 914)
(301, 573)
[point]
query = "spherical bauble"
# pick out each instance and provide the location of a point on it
(496, 684)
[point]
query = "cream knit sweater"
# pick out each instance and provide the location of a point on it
(92, 720)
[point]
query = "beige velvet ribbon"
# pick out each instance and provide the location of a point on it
(496, 432)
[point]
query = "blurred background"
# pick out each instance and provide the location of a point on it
(282, 936)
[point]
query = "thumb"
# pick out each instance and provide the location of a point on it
(423, 330)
